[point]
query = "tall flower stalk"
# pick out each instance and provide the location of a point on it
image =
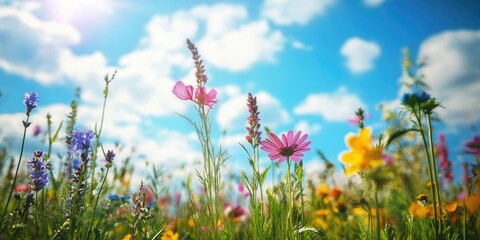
(109, 157)
(365, 158)
(80, 152)
(98, 132)
(210, 177)
(419, 104)
(255, 183)
(290, 148)
(31, 102)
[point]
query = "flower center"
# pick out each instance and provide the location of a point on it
(287, 152)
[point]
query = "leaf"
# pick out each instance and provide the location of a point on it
(56, 132)
(398, 133)
(264, 174)
(311, 229)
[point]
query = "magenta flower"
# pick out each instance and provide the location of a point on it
(473, 145)
(204, 98)
(201, 97)
(182, 91)
(445, 164)
(291, 146)
(241, 190)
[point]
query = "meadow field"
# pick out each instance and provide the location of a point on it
(394, 185)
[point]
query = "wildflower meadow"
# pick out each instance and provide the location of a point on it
(398, 184)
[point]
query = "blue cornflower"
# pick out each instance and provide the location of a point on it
(418, 96)
(38, 172)
(81, 141)
(31, 101)
(422, 96)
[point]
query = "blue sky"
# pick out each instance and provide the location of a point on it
(311, 63)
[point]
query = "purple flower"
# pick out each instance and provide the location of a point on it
(31, 101)
(253, 128)
(81, 141)
(38, 171)
(109, 158)
(36, 130)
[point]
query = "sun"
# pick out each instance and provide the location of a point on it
(78, 10)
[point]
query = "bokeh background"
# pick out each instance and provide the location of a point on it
(311, 64)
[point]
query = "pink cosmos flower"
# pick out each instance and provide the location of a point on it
(201, 97)
(291, 146)
(182, 91)
(204, 98)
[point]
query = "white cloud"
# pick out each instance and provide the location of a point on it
(231, 117)
(301, 46)
(453, 74)
(360, 54)
(142, 88)
(313, 168)
(31, 47)
(287, 12)
(373, 3)
(337, 106)
(239, 49)
(306, 127)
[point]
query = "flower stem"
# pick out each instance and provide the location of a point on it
(96, 204)
(290, 199)
(377, 211)
(25, 126)
(430, 171)
(432, 160)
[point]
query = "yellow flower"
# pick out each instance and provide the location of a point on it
(169, 235)
(191, 223)
(127, 237)
(322, 190)
(420, 211)
(362, 154)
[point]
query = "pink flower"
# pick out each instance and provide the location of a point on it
(149, 195)
(388, 160)
(22, 188)
(201, 97)
(291, 146)
(204, 98)
(241, 190)
(182, 91)
(445, 164)
(473, 145)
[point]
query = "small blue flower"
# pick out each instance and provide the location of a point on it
(81, 142)
(126, 197)
(406, 97)
(38, 172)
(113, 197)
(422, 96)
(418, 96)
(31, 101)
